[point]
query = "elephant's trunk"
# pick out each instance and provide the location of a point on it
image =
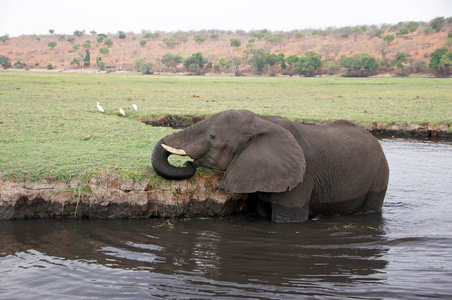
(165, 169)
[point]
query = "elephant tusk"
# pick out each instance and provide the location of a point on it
(174, 151)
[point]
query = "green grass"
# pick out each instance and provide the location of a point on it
(50, 126)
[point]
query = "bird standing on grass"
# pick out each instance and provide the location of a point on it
(135, 107)
(122, 112)
(99, 107)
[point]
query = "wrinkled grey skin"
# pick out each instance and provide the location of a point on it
(296, 169)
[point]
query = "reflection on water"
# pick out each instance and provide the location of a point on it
(403, 253)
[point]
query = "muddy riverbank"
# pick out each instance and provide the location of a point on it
(108, 197)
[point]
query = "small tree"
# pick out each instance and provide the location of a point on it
(435, 63)
(446, 63)
(143, 43)
(143, 66)
(79, 32)
(258, 60)
(86, 44)
(171, 60)
(412, 26)
(428, 30)
(400, 59)
(104, 50)
(51, 31)
(309, 64)
(71, 39)
(236, 62)
(360, 65)
(4, 38)
(195, 63)
(5, 62)
(86, 59)
(200, 39)
(292, 61)
(389, 38)
(76, 61)
(108, 43)
(235, 42)
(170, 42)
(52, 44)
(438, 23)
(122, 35)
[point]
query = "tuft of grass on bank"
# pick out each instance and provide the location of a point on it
(50, 126)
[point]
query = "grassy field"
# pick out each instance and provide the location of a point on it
(50, 126)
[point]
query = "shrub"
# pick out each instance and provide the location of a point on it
(5, 62)
(104, 50)
(389, 38)
(235, 42)
(50, 67)
(79, 33)
(122, 35)
(19, 64)
(441, 61)
(86, 44)
(195, 63)
(438, 23)
(108, 43)
(200, 39)
(309, 64)
(143, 66)
(143, 43)
(360, 65)
(52, 44)
(170, 42)
(171, 60)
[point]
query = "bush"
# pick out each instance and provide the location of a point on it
(195, 63)
(122, 35)
(143, 66)
(86, 44)
(108, 43)
(20, 64)
(143, 43)
(235, 42)
(360, 65)
(104, 50)
(52, 44)
(309, 64)
(5, 62)
(50, 67)
(441, 61)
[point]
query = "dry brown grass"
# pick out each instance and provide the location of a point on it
(124, 52)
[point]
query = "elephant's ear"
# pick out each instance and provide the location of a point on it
(272, 161)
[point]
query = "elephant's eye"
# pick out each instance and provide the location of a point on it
(212, 136)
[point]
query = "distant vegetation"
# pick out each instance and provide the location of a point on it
(403, 48)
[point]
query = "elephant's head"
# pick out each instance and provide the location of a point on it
(256, 154)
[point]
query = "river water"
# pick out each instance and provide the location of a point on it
(405, 252)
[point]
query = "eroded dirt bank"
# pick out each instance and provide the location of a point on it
(399, 129)
(109, 197)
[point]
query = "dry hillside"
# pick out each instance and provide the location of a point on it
(332, 44)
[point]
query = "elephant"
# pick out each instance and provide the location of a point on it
(294, 170)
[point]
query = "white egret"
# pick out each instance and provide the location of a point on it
(135, 107)
(99, 107)
(122, 112)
